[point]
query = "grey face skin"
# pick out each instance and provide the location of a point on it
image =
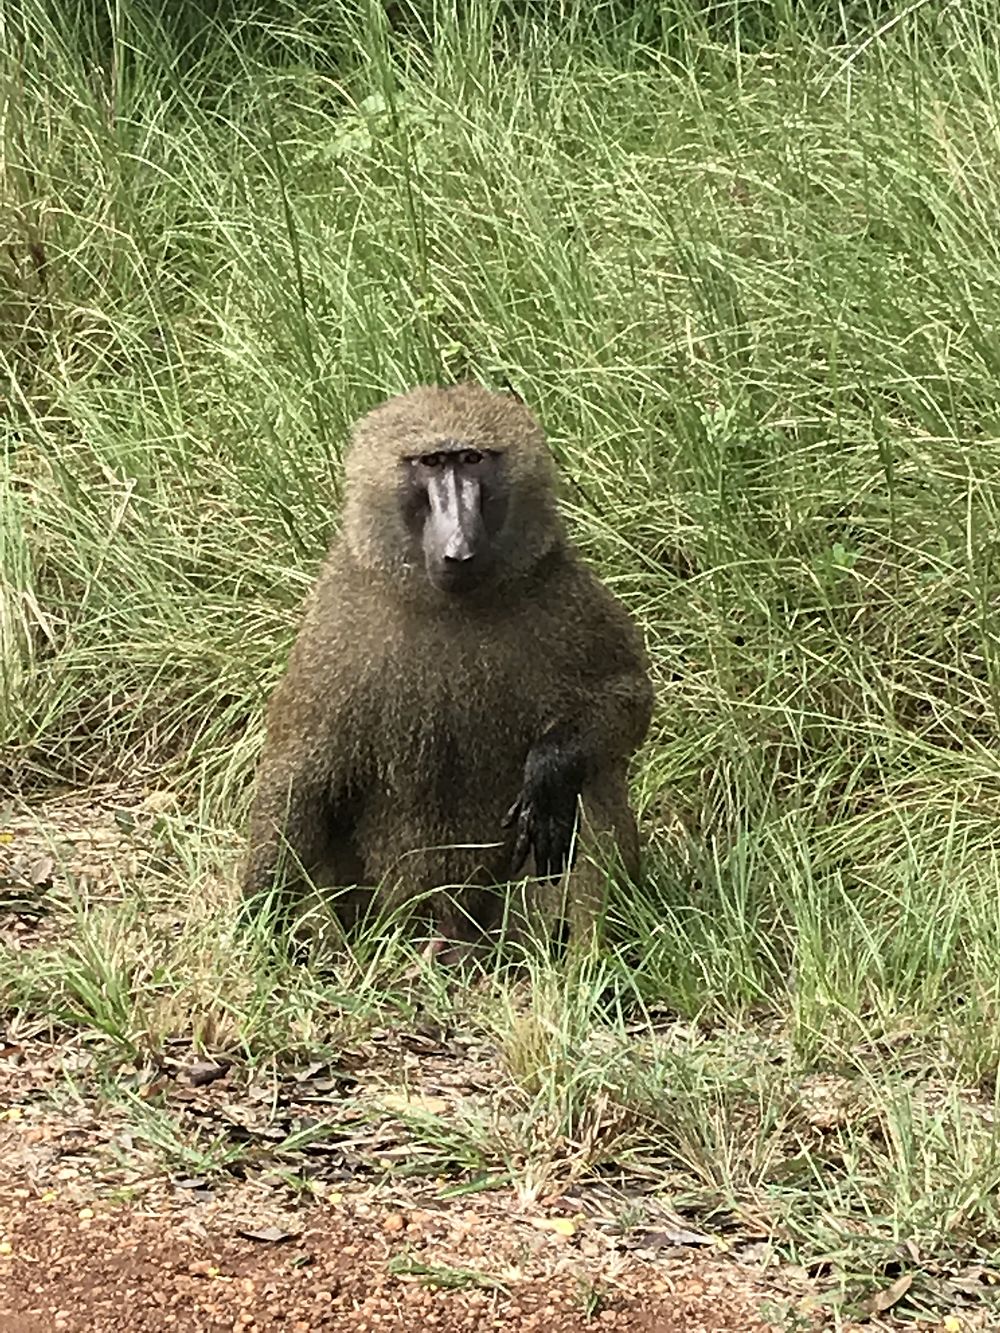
(454, 503)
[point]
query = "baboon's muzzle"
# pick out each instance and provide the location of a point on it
(456, 544)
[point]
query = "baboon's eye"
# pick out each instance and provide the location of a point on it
(471, 456)
(432, 460)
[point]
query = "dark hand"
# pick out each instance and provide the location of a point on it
(544, 815)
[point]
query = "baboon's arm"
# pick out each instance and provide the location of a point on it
(289, 825)
(304, 782)
(601, 713)
(610, 720)
(597, 721)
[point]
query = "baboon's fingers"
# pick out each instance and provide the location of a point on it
(541, 848)
(559, 846)
(557, 849)
(522, 848)
(522, 842)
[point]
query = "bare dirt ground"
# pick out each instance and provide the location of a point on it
(120, 1270)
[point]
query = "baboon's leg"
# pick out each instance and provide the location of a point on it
(288, 833)
(340, 882)
(294, 851)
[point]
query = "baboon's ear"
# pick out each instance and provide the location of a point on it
(509, 388)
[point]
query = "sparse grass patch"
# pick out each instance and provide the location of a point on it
(438, 1275)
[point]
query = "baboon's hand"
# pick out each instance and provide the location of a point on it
(544, 815)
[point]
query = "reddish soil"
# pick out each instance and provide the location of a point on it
(63, 1270)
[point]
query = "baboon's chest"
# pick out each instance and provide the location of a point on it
(462, 714)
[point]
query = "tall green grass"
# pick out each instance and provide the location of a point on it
(745, 264)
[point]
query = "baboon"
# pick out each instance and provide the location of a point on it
(464, 696)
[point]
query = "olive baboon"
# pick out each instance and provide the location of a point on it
(461, 685)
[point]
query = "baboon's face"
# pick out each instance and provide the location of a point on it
(450, 492)
(454, 501)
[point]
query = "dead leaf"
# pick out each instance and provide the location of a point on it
(318, 1069)
(427, 1040)
(666, 1237)
(886, 1299)
(562, 1226)
(200, 1075)
(146, 1091)
(269, 1235)
(156, 802)
(40, 872)
(322, 1081)
(395, 1101)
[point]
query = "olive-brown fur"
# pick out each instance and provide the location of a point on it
(397, 739)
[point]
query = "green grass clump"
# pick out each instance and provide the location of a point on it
(744, 262)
